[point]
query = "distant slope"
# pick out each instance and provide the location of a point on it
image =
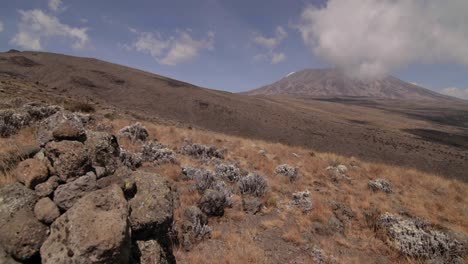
(334, 83)
(369, 129)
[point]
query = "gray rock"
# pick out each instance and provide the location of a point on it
(5, 258)
(46, 211)
(212, 203)
(152, 208)
(380, 185)
(66, 126)
(194, 227)
(416, 238)
(103, 150)
(123, 179)
(251, 205)
(66, 195)
(69, 158)
(31, 172)
(151, 252)
(21, 234)
(135, 132)
(95, 230)
(47, 188)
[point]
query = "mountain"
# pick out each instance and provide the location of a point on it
(335, 83)
(429, 135)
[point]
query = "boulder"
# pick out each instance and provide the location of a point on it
(103, 150)
(31, 172)
(380, 185)
(66, 195)
(5, 258)
(194, 227)
(251, 205)
(152, 207)
(21, 234)
(62, 125)
(69, 158)
(94, 230)
(151, 252)
(48, 187)
(123, 179)
(212, 203)
(46, 211)
(416, 238)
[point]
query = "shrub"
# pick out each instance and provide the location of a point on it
(228, 171)
(201, 151)
(135, 132)
(253, 184)
(288, 171)
(158, 153)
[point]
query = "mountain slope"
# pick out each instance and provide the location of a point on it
(404, 133)
(334, 83)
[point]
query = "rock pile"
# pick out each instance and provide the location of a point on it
(76, 202)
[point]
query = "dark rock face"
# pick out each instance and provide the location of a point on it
(69, 158)
(21, 234)
(94, 230)
(46, 211)
(31, 172)
(66, 195)
(104, 150)
(152, 207)
(194, 228)
(212, 203)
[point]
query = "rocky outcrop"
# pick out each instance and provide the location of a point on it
(103, 150)
(69, 158)
(416, 238)
(62, 125)
(152, 207)
(94, 230)
(66, 195)
(31, 172)
(21, 234)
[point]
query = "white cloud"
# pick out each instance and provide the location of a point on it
(35, 27)
(172, 50)
(278, 57)
(270, 43)
(370, 38)
(55, 5)
(456, 92)
(1, 26)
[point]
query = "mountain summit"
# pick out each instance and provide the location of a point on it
(335, 83)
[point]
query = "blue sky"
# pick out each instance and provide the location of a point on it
(240, 45)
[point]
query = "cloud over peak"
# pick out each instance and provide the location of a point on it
(371, 38)
(36, 27)
(174, 49)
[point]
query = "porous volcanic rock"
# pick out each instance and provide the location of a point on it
(31, 172)
(69, 158)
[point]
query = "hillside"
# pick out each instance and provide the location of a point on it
(104, 188)
(429, 136)
(334, 83)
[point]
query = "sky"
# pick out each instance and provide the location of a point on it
(237, 45)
